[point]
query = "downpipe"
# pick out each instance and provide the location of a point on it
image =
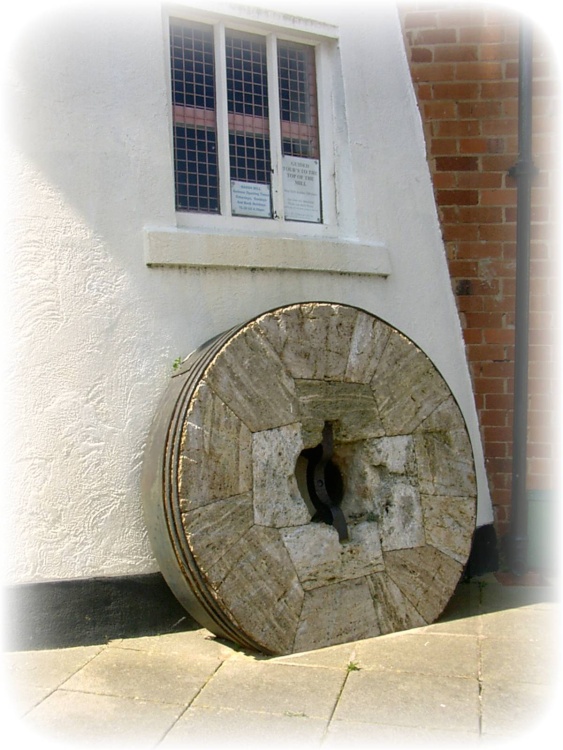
(523, 171)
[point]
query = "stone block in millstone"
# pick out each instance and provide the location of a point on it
(395, 453)
(445, 418)
(445, 464)
(393, 610)
(312, 340)
(369, 339)
(401, 521)
(336, 614)
(249, 376)
(277, 500)
(371, 469)
(444, 453)
(215, 453)
(212, 530)
(261, 590)
(425, 576)
(406, 386)
(449, 523)
(320, 559)
(381, 486)
(350, 407)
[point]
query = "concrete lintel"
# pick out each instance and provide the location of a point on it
(173, 247)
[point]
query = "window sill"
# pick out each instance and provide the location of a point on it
(174, 247)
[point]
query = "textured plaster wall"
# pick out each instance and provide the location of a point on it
(94, 331)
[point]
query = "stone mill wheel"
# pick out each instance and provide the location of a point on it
(309, 481)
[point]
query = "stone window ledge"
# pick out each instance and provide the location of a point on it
(174, 247)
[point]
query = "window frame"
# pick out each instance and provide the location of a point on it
(291, 30)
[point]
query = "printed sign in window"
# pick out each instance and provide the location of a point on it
(301, 189)
(251, 199)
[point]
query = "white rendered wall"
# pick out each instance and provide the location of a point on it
(95, 330)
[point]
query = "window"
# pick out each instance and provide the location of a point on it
(245, 116)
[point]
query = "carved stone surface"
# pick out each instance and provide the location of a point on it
(393, 610)
(262, 592)
(215, 459)
(283, 581)
(335, 614)
(449, 523)
(349, 406)
(213, 530)
(406, 385)
(320, 559)
(277, 500)
(249, 377)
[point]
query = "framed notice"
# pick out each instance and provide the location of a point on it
(251, 199)
(301, 189)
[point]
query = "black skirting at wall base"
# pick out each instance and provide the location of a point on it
(90, 611)
(484, 555)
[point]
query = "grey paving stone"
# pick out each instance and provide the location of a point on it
(516, 661)
(424, 653)
(335, 657)
(246, 684)
(511, 709)
(526, 623)
(410, 700)
(347, 734)
(208, 727)
(45, 669)
(470, 625)
(196, 645)
(101, 720)
(21, 698)
(30, 676)
(153, 676)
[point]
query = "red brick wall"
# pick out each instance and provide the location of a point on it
(464, 65)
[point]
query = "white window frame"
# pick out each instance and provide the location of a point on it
(323, 38)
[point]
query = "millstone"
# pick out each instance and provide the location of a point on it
(228, 510)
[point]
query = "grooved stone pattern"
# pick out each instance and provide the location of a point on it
(400, 443)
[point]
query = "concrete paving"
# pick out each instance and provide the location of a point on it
(489, 671)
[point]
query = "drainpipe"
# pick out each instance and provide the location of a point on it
(523, 171)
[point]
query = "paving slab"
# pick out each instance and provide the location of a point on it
(525, 623)
(424, 653)
(343, 735)
(49, 668)
(411, 700)
(30, 676)
(200, 645)
(518, 660)
(512, 709)
(244, 683)
(209, 727)
(145, 675)
(334, 657)
(470, 625)
(79, 719)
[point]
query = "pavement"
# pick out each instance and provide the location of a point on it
(487, 672)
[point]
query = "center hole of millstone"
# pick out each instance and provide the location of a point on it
(320, 483)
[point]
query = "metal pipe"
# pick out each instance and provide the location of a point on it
(523, 171)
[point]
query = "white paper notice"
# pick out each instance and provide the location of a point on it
(250, 199)
(301, 189)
